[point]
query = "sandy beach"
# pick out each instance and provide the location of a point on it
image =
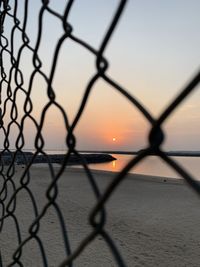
(153, 221)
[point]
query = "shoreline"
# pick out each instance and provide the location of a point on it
(135, 176)
(131, 176)
(75, 163)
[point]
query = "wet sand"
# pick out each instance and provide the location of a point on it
(153, 221)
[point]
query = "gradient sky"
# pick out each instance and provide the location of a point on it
(153, 53)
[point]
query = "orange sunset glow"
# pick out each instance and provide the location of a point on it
(150, 73)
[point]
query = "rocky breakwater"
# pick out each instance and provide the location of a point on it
(26, 157)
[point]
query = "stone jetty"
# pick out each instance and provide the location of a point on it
(20, 158)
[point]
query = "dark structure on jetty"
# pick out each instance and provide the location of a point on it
(26, 157)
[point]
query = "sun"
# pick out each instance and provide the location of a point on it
(114, 139)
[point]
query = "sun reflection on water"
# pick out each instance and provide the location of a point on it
(114, 164)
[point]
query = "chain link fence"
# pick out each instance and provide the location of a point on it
(13, 182)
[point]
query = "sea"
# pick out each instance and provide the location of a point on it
(152, 165)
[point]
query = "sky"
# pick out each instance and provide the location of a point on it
(153, 53)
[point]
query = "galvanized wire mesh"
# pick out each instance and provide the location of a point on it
(12, 84)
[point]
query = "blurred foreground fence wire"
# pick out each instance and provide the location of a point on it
(11, 85)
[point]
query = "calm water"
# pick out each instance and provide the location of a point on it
(152, 165)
